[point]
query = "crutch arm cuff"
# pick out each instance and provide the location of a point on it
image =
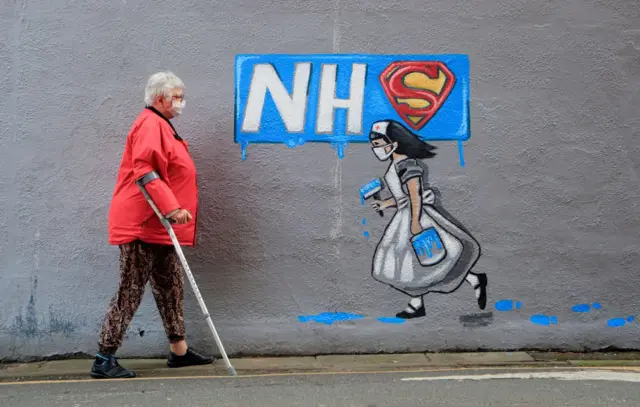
(147, 178)
(155, 189)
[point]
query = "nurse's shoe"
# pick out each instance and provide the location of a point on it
(191, 358)
(413, 313)
(482, 286)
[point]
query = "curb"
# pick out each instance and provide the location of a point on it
(78, 369)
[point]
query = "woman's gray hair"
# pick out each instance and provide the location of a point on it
(161, 84)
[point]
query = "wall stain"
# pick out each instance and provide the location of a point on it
(477, 320)
(60, 325)
(30, 325)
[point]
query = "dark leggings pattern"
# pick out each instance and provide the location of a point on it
(140, 263)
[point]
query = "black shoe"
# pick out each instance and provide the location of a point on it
(191, 358)
(417, 312)
(107, 367)
(482, 285)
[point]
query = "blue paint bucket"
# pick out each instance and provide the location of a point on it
(428, 247)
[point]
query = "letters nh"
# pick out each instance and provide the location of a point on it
(293, 107)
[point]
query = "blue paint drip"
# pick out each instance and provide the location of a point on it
(508, 305)
(392, 320)
(243, 147)
(544, 320)
(329, 318)
(423, 243)
(596, 305)
(366, 233)
(461, 153)
(339, 147)
(630, 318)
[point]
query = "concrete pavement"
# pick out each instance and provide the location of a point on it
(469, 388)
(156, 368)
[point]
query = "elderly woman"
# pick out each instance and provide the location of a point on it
(155, 153)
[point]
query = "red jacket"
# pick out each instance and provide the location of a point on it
(153, 145)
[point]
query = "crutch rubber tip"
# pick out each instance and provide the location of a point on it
(232, 371)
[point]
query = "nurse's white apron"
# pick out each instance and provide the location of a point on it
(396, 263)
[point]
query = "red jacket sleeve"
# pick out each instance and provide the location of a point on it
(149, 155)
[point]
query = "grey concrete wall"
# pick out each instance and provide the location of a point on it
(550, 189)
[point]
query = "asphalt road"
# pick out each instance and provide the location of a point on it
(506, 388)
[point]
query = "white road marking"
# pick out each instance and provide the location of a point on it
(579, 375)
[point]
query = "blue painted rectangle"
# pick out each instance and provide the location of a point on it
(450, 122)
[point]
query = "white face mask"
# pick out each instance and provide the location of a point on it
(178, 106)
(381, 153)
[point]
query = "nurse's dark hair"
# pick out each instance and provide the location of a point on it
(409, 144)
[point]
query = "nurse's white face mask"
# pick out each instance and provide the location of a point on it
(382, 153)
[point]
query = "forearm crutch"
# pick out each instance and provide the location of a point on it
(167, 224)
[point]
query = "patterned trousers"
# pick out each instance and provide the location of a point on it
(140, 263)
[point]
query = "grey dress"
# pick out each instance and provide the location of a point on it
(395, 261)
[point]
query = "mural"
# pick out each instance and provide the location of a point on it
(294, 99)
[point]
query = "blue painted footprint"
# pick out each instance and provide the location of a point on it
(581, 308)
(508, 305)
(618, 322)
(541, 319)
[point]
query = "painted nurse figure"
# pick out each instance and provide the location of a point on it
(421, 251)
